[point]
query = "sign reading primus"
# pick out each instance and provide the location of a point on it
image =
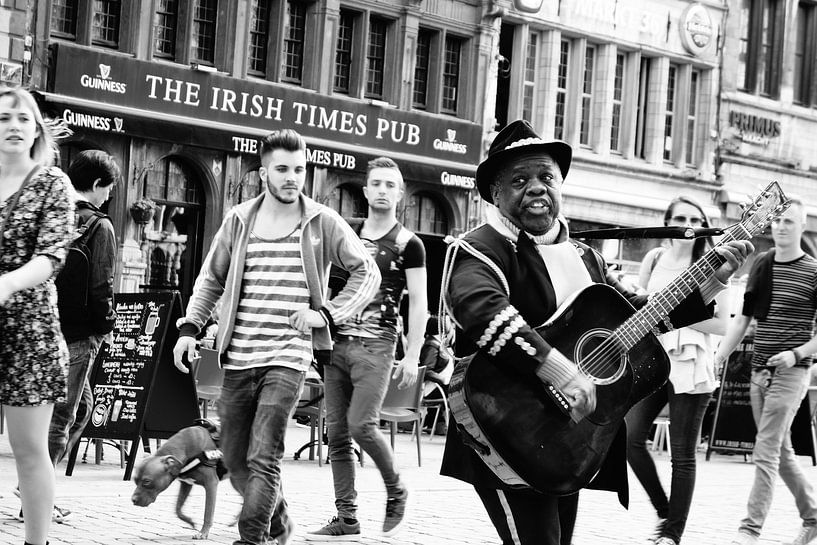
(172, 89)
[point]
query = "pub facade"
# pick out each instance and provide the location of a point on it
(180, 92)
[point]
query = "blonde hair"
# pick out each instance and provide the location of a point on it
(43, 150)
(798, 200)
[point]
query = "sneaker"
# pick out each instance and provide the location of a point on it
(337, 530)
(395, 512)
(60, 515)
(745, 539)
(664, 540)
(807, 535)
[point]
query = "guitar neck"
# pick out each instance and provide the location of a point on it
(663, 302)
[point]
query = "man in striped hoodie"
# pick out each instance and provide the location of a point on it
(268, 264)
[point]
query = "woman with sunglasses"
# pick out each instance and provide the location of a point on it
(690, 385)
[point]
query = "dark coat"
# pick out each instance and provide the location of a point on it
(475, 296)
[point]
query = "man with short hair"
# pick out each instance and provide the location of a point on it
(268, 264)
(781, 294)
(93, 174)
(358, 377)
(507, 277)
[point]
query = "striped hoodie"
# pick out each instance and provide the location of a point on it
(326, 239)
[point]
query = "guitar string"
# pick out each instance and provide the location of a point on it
(600, 358)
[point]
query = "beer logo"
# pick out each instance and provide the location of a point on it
(117, 123)
(104, 71)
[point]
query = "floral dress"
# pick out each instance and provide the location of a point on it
(33, 353)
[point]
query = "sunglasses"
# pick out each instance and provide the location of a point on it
(691, 220)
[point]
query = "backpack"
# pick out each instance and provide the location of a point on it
(72, 281)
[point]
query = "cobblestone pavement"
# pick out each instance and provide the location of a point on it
(441, 510)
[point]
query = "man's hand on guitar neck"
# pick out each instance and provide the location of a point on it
(735, 253)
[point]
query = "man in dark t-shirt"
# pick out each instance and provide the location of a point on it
(781, 294)
(363, 355)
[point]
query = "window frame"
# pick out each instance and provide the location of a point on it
(84, 26)
(765, 82)
(805, 86)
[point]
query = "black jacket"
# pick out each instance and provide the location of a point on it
(100, 318)
(475, 296)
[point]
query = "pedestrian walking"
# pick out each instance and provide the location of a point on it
(362, 362)
(269, 263)
(781, 295)
(85, 298)
(36, 220)
(691, 380)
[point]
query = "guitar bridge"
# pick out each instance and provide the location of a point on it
(558, 398)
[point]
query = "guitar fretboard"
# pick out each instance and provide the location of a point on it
(662, 302)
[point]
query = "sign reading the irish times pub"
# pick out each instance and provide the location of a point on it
(159, 88)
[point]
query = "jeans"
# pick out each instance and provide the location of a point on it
(255, 406)
(686, 412)
(69, 419)
(773, 407)
(356, 382)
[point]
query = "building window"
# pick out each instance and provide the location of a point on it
(761, 46)
(669, 111)
(421, 69)
(259, 31)
(64, 18)
(164, 29)
(294, 43)
(347, 200)
(618, 94)
(343, 51)
(426, 215)
(805, 55)
(376, 57)
(451, 74)
(105, 23)
(529, 83)
(203, 42)
(561, 91)
(642, 108)
(692, 116)
(587, 95)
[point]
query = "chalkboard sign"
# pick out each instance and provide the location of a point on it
(733, 427)
(138, 392)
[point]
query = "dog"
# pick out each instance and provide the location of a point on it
(191, 456)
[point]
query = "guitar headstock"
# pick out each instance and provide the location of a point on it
(764, 208)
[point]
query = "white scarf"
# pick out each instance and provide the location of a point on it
(561, 257)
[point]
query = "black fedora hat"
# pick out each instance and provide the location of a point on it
(517, 138)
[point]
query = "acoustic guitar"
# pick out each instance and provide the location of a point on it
(521, 428)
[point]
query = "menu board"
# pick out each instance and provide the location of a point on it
(733, 428)
(137, 391)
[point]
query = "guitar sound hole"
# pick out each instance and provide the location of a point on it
(602, 359)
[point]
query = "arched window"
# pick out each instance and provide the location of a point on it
(174, 244)
(425, 214)
(348, 201)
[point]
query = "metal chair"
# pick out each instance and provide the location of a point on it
(313, 406)
(405, 406)
(439, 405)
(209, 376)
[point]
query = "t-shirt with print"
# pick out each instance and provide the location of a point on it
(394, 252)
(790, 320)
